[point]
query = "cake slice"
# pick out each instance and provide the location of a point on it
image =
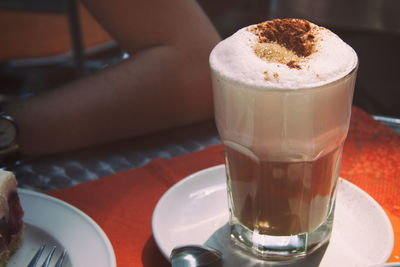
(11, 213)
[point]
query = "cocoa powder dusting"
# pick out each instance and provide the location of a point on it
(295, 35)
(266, 77)
(292, 64)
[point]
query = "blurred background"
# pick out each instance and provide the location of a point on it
(46, 43)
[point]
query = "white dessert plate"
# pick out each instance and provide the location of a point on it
(54, 222)
(195, 211)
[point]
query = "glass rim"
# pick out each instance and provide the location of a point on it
(278, 89)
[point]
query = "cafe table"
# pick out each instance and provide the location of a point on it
(122, 203)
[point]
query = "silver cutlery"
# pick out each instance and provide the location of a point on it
(46, 263)
(195, 255)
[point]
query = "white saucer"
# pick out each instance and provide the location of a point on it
(195, 211)
(51, 221)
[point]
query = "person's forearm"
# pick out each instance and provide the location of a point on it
(143, 94)
(165, 84)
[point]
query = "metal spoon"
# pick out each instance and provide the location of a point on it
(194, 256)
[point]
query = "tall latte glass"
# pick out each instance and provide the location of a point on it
(282, 93)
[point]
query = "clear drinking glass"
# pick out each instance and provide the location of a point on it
(282, 155)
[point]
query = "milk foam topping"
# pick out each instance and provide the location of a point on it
(285, 54)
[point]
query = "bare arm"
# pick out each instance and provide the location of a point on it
(166, 82)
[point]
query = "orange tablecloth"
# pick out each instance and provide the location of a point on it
(122, 204)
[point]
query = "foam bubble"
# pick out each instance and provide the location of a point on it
(235, 59)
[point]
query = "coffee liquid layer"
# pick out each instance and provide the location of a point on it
(281, 198)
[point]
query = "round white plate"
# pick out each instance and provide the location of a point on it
(195, 211)
(54, 222)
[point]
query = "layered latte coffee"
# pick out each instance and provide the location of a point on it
(282, 95)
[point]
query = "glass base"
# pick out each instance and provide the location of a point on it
(281, 248)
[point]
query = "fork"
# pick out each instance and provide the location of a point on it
(46, 262)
